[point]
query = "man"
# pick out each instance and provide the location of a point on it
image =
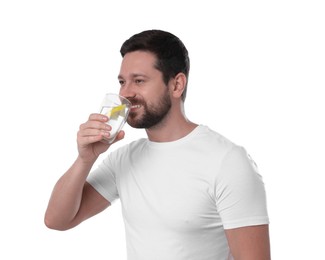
(187, 193)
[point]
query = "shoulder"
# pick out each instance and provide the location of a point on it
(129, 148)
(238, 160)
(215, 142)
(205, 132)
(233, 158)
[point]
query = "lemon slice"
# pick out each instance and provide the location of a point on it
(116, 111)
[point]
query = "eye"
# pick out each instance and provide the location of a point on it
(122, 82)
(138, 81)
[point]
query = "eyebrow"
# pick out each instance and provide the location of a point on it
(133, 75)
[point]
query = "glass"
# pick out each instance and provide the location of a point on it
(116, 108)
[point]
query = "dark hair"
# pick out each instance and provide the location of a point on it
(172, 55)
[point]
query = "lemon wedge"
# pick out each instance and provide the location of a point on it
(116, 111)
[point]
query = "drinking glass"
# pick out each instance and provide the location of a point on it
(116, 108)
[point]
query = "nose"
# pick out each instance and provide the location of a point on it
(127, 91)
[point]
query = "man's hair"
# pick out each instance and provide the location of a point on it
(171, 53)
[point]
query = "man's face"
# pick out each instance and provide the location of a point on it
(143, 85)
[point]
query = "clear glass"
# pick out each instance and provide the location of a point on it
(116, 108)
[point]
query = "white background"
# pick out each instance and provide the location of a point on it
(257, 73)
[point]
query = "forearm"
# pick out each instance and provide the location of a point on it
(66, 196)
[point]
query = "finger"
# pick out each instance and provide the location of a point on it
(91, 136)
(87, 132)
(84, 141)
(94, 132)
(95, 125)
(98, 117)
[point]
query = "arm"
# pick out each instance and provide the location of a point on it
(249, 243)
(73, 200)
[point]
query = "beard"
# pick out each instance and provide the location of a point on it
(152, 115)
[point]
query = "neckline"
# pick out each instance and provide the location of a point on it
(162, 145)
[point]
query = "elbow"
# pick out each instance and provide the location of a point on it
(52, 224)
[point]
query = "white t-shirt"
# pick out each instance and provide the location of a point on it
(178, 197)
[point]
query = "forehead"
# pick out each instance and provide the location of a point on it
(138, 61)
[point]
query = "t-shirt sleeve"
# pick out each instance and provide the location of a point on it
(103, 179)
(240, 191)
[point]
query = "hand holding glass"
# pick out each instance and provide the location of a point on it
(116, 108)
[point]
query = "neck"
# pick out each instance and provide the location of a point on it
(173, 127)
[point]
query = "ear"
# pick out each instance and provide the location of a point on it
(178, 85)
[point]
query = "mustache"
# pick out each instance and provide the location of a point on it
(136, 101)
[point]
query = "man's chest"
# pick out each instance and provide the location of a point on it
(169, 193)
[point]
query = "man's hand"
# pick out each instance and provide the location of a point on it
(92, 137)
